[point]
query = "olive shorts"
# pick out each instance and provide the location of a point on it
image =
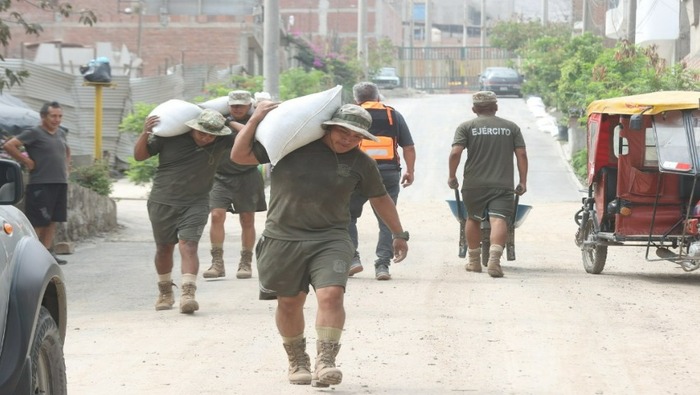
(173, 223)
(244, 193)
(286, 268)
(496, 202)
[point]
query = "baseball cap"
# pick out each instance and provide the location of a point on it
(484, 97)
(239, 98)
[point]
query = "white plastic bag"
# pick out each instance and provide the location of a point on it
(297, 122)
(173, 115)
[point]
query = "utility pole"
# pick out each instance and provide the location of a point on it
(361, 39)
(271, 43)
(632, 21)
(464, 27)
(483, 31)
(585, 23)
(545, 12)
(428, 25)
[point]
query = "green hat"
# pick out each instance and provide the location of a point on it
(352, 117)
(239, 98)
(211, 122)
(484, 97)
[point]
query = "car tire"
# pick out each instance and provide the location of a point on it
(48, 364)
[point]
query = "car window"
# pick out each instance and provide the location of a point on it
(503, 73)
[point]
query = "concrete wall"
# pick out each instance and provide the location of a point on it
(89, 215)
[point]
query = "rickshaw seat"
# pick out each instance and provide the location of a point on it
(687, 190)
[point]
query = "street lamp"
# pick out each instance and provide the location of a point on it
(139, 8)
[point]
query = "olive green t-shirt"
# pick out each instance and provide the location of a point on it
(490, 142)
(228, 168)
(185, 171)
(310, 191)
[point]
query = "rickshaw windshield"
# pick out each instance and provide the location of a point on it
(672, 142)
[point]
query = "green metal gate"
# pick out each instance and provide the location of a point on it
(454, 69)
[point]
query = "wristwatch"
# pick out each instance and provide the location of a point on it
(401, 235)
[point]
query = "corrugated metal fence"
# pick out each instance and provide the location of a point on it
(78, 101)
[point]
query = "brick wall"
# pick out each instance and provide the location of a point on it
(205, 39)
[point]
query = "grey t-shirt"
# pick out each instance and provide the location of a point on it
(48, 151)
(490, 142)
(185, 171)
(310, 191)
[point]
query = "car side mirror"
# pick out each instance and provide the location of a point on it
(11, 182)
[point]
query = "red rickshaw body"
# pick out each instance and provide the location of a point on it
(642, 173)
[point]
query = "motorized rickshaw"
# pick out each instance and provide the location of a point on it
(643, 170)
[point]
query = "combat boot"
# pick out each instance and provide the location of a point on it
(166, 300)
(188, 304)
(299, 363)
(244, 266)
(325, 372)
(217, 264)
(494, 267)
(474, 264)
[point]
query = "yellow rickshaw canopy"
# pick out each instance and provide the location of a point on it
(649, 103)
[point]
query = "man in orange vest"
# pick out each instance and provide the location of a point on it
(389, 126)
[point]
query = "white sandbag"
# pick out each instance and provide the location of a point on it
(297, 122)
(219, 104)
(173, 115)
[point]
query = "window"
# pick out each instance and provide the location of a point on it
(672, 142)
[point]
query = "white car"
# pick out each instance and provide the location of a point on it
(387, 78)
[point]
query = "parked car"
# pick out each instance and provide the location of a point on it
(32, 301)
(387, 78)
(501, 81)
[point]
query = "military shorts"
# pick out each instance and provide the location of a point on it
(286, 268)
(242, 193)
(497, 202)
(173, 223)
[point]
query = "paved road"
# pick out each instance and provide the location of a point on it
(545, 328)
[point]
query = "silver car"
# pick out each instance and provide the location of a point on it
(32, 301)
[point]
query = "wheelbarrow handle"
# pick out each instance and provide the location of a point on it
(462, 222)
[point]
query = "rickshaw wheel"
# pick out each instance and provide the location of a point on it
(593, 254)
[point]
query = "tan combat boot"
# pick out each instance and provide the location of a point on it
(217, 264)
(299, 363)
(494, 267)
(325, 372)
(187, 303)
(244, 267)
(474, 264)
(166, 300)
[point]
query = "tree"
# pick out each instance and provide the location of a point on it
(10, 18)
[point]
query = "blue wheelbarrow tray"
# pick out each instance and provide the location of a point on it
(520, 214)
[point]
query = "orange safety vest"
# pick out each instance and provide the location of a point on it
(385, 149)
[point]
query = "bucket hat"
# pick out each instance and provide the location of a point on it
(352, 117)
(211, 122)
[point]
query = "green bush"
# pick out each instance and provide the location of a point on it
(95, 177)
(579, 162)
(142, 172)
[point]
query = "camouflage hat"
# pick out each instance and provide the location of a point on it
(484, 97)
(211, 122)
(352, 117)
(239, 98)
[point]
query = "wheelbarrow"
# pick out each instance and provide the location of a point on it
(460, 212)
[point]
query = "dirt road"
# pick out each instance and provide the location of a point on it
(547, 327)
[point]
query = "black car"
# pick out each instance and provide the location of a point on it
(501, 81)
(32, 301)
